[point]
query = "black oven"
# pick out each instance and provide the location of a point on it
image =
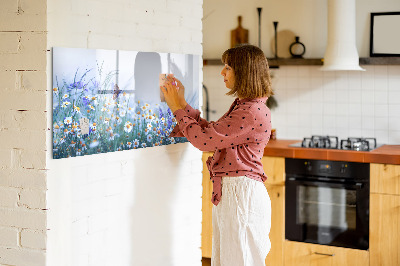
(327, 202)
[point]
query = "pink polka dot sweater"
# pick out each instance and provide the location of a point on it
(238, 139)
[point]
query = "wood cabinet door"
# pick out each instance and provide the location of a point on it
(206, 226)
(305, 254)
(274, 168)
(385, 178)
(277, 233)
(384, 236)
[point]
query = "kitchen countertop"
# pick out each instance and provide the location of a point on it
(389, 154)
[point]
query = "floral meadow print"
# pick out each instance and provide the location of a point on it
(109, 100)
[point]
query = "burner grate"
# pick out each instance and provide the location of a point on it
(358, 144)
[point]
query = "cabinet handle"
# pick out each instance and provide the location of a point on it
(325, 254)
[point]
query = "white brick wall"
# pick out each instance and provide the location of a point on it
(138, 207)
(23, 132)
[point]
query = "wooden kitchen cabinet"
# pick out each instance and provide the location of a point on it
(384, 236)
(277, 233)
(385, 178)
(305, 254)
(206, 226)
(274, 168)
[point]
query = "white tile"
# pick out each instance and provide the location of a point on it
(278, 72)
(355, 96)
(381, 123)
(292, 83)
(278, 83)
(382, 136)
(367, 122)
(367, 83)
(354, 82)
(381, 84)
(381, 110)
(394, 137)
(342, 96)
(355, 122)
(329, 109)
(317, 131)
(367, 96)
(328, 74)
(355, 109)
(394, 70)
(368, 110)
(355, 132)
(342, 109)
(342, 122)
(329, 121)
(317, 95)
(367, 133)
(291, 133)
(394, 83)
(394, 97)
(317, 107)
(354, 75)
(394, 110)
(303, 82)
(304, 72)
(316, 72)
(317, 121)
(330, 131)
(304, 109)
(342, 81)
(380, 71)
(329, 95)
(303, 131)
(316, 82)
(342, 133)
(381, 97)
(394, 123)
(293, 120)
(291, 71)
(369, 70)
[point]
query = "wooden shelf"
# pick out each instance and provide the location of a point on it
(274, 63)
(380, 61)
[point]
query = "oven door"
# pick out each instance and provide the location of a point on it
(327, 213)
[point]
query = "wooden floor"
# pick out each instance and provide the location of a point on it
(206, 261)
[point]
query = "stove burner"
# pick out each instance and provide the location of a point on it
(328, 142)
(332, 142)
(358, 144)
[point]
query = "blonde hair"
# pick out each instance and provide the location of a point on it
(250, 66)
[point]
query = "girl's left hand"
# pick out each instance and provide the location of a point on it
(171, 95)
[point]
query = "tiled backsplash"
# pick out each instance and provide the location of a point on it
(314, 102)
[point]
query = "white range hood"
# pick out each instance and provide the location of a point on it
(341, 51)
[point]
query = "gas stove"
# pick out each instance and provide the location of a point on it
(332, 142)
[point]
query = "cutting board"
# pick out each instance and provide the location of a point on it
(239, 35)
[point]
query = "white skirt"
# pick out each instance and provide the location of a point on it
(241, 223)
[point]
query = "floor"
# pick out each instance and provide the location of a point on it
(206, 261)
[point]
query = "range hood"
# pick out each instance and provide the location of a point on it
(341, 51)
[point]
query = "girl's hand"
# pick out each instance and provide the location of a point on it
(172, 96)
(181, 91)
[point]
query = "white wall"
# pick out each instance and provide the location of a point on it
(23, 133)
(304, 18)
(311, 102)
(137, 207)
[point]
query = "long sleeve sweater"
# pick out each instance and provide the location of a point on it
(238, 139)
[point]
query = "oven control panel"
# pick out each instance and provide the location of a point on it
(338, 169)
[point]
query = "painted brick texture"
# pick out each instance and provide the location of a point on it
(119, 208)
(23, 132)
